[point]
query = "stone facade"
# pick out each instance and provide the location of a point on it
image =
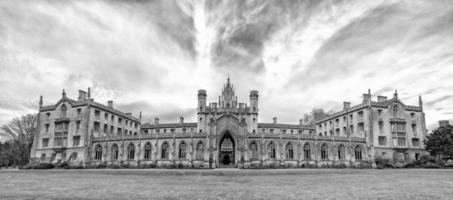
(391, 129)
(226, 134)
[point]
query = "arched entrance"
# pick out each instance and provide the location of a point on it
(226, 153)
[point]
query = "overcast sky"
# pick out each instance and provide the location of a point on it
(154, 56)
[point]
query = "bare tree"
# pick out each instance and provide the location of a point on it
(19, 134)
(315, 115)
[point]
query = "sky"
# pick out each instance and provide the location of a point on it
(153, 56)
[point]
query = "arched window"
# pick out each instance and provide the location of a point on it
(164, 152)
(254, 150)
(98, 152)
(307, 153)
(200, 151)
(182, 150)
(341, 152)
(395, 110)
(115, 152)
(271, 148)
(131, 151)
(358, 153)
(63, 111)
(324, 155)
(289, 151)
(147, 155)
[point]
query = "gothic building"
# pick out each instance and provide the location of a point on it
(226, 134)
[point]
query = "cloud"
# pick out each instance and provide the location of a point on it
(153, 56)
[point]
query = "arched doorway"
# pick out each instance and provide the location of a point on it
(226, 153)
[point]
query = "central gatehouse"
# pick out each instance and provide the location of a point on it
(226, 134)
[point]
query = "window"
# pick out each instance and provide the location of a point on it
(115, 152)
(382, 140)
(412, 115)
(172, 131)
(164, 152)
(79, 111)
(45, 142)
(307, 153)
(76, 140)
(395, 110)
(200, 151)
(324, 155)
(43, 156)
(97, 114)
(97, 127)
(48, 115)
(401, 139)
(417, 156)
(111, 130)
(414, 129)
(289, 151)
(254, 150)
(351, 129)
(360, 115)
(98, 152)
(77, 126)
(271, 150)
(284, 131)
(381, 125)
(73, 156)
(112, 118)
(60, 138)
(47, 127)
(182, 150)
(379, 112)
(271, 130)
(361, 128)
(120, 120)
(119, 131)
(106, 128)
(415, 142)
(106, 116)
(63, 111)
(341, 152)
(147, 151)
(358, 153)
(131, 151)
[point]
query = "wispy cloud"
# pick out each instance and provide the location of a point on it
(154, 55)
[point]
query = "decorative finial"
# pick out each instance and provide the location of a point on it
(369, 91)
(395, 95)
(420, 102)
(63, 94)
(140, 116)
(89, 93)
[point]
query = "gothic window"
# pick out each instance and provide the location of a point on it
(254, 150)
(115, 152)
(164, 152)
(395, 110)
(289, 151)
(76, 141)
(358, 153)
(200, 151)
(182, 150)
(307, 152)
(271, 150)
(147, 155)
(63, 111)
(341, 152)
(324, 155)
(131, 151)
(45, 142)
(98, 152)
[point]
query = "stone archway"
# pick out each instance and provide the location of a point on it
(227, 152)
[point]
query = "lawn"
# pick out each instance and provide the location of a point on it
(227, 184)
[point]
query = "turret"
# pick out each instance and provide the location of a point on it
(420, 102)
(254, 101)
(201, 100)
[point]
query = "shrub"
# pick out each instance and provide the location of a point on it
(431, 165)
(339, 165)
(382, 162)
(44, 166)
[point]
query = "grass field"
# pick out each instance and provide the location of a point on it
(227, 184)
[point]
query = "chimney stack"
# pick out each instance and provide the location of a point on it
(181, 119)
(110, 104)
(444, 123)
(346, 105)
(381, 98)
(274, 120)
(82, 95)
(366, 98)
(156, 121)
(301, 122)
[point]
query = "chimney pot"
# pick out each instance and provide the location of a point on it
(181, 119)
(274, 120)
(443, 123)
(382, 98)
(346, 105)
(156, 120)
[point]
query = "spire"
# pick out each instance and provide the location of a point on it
(140, 116)
(369, 91)
(63, 94)
(395, 95)
(40, 101)
(89, 93)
